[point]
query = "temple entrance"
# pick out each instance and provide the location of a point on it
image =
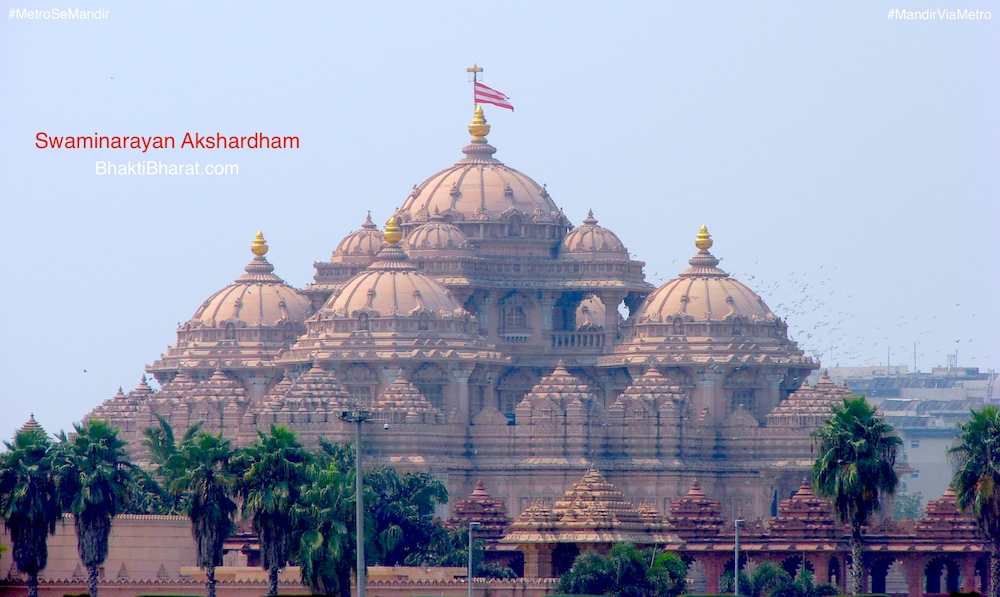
(941, 575)
(793, 564)
(563, 557)
(878, 569)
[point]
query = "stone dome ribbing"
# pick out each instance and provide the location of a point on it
(436, 235)
(590, 241)
(361, 245)
(258, 298)
(703, 293)
(480, 188)
(392, 287)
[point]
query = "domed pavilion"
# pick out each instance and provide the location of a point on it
(484, 328)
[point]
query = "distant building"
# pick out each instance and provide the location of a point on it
(925, 409)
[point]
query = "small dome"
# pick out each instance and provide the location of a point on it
(392, 287)
(436, 235)
(702, 293)
(592, 241)
(258, 298)
(360, 245)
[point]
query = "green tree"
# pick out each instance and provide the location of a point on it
(324, 545)
(625, 572)
(274, 472)
(855, 469)
(588, 576)
(401, 514)
(93, 474)
(201, 470)
(908, 504)
(766, 579)
(668, 575)
(976, 455)
(803, 586)
(29, 502)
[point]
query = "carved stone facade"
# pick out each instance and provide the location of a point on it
(941, 552)
(485, 330)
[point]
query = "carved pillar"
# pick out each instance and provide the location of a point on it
(713, 573)
(576, 431)
(968, 565)
(821, 567)
(530, 560)
(463, 410)
(546, 302)
(545, 561)
(258, 387)
(708, 395)
(772, 395)
(914, 569)
(610, 300)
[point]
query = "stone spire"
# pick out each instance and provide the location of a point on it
(31, 425)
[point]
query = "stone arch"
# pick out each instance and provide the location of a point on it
(942, 574)
(677, 326)
(981, 575)
(514, 226)
(793, 564)
(512, 388)
(878, 570)
(833, 571)
(431, 380)
(360, 381)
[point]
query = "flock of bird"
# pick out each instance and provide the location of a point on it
(833, 322)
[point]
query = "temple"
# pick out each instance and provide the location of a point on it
(500, 342)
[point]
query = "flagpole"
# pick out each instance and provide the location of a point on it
(475, 70)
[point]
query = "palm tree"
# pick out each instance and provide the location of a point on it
(855, 468)
(274, 473)
(201, 471)
(29, 503)
(976, 454)
(92, 475)
(323, 542)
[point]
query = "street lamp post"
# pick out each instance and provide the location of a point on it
(472, 526)
(359, 417)
(736, 561)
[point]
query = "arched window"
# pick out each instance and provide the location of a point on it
(514, 227)
(431, 381)
(678, 327)
(514, 317)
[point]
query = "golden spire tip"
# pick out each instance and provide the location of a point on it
(259, 246)
(392, 234)
(704, 240)
(478, 128)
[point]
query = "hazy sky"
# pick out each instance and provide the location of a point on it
(845, 163)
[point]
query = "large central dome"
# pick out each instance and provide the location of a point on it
(486, 199)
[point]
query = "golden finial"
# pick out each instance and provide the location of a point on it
(479, 129)
(704, 240)
(259, 245)
(392, 234)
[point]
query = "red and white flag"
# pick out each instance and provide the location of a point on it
(485, 95)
